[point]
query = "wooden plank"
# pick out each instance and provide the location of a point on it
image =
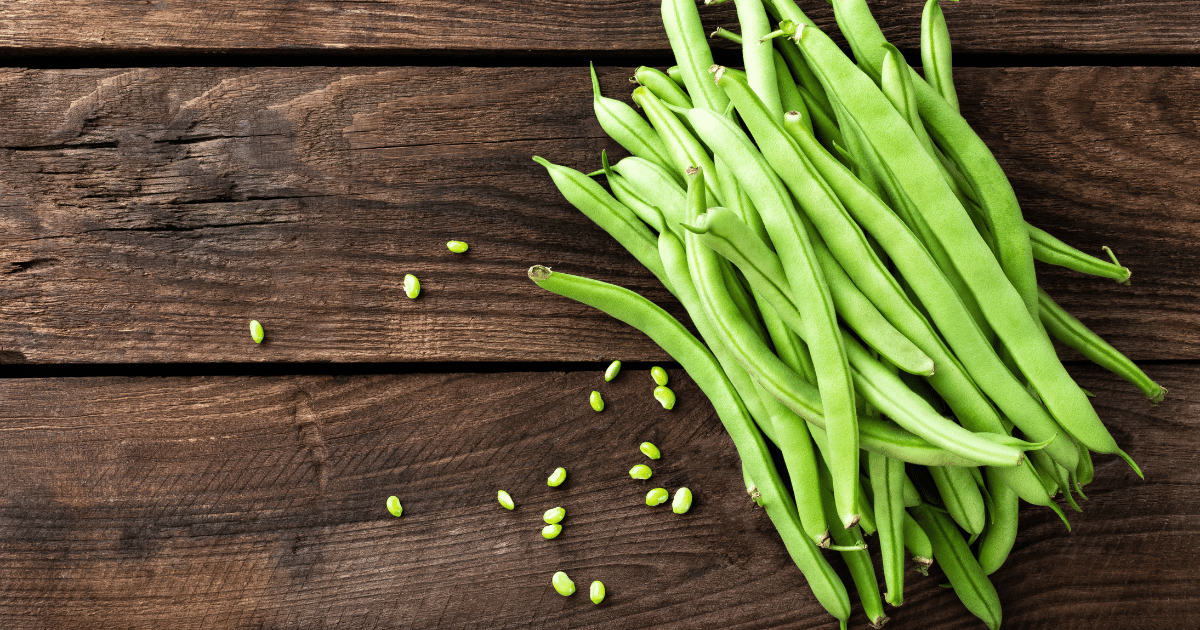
(222, 502)
(150, 213)
(432, 27)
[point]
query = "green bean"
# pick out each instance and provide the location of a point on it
(557, 477)
(662, 85)
(1064, 327)
(1001, 533)
(640, 471)
(655, 185)
(804, 275)
(704, 370)
(623, 124)
(611, 371)
(857, 560)
(682, 501)
(256, 331)
(887, 486)
(412, 286)
(596, 592)
(685, 151)
(619, 221)
(505, 499)
(961, 496)
(758, 59)
(1021, 334)
(657, 496)
(1084, 471)
(665, 397)
(596, 400)
(1050, 250)
(631, 197)
(917, 543)
(554, 515)
(935, 52)
(676, 76)
(967, 578)
(393, 506)
(650, 450)
(562, 584)
(681, 19)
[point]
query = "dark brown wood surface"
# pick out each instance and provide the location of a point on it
(171, 169)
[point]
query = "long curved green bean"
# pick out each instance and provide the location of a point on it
(665, 88)
(758, 57)
(935, 52)
(685, 151)
(1050, 250)
(967, 578)
(887, 486)
(706, 372)
(1001, 534)
(685, 32)
(916, 541)
(623, 124)
(857, 560)
(961, 496)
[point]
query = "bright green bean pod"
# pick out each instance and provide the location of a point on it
(1050, 250)
(665, 88)
(704, 370)
(919, 177)
(935, 52)
(1064, 327)
(967, 578)
(619, 221)
(685, 32)
(789, 95)
(917, 543)
(887, 488)
(655, 185)
(961, 496)
(1084, 471)
(685, 151)
(676, 76)
(623, 124)
(853, 551)
(803, 272)
(1001, 534)
(632, 198)
(757, 56)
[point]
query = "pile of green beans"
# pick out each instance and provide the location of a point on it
(863, 284)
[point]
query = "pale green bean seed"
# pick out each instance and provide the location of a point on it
(664, 395)
(682, 501)
(657, 496)
(562, 584)
(614, 368)
(551, 531)
(393, 506)
(650, 450)
(554, 515)
(256, 331)
(659, 375)
(505, 500)
(597, 592)
(412, 286)
(641, 471)
(557, 477)
(458, 247)
(597, 401)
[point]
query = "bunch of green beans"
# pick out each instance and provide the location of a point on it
(862, 281)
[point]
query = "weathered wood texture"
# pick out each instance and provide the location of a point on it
(148, 214)
(424, 27)
(227, 502)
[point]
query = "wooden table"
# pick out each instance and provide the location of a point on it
(171, 169)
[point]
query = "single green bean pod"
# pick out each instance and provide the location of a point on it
(657, 496)
(562, 584)
(393, 506)
(458, 247)
(256, 331)
(412, 286)
(597, 401)
(551, 531)
(613, 370)
(659, 375)
(665, 396)
(597, 592)
(505, 500)
(554, 515)
(557, 477)
(641, 471)
(650, 450)
(682, 501)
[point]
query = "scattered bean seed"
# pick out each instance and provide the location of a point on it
(393, 506)
(664, 395)
(597, 592)
(505, 500)
(682, 501)
(412, 286)
(458, 247)
(657, 496)
(554, 515)
(650, 450)
(614, 368)
(256, 331)
(551, 531)
(562, 584)
(557, 477)
(641, 471)
(597, 401)
(659, 375)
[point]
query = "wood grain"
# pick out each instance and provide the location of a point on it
(222, 502)
(423, 28)
(149, 214)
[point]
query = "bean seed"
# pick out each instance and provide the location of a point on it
(256, 331)
(562, 584)
(614, 368)
(641, 471)
(412, 286)
(657, 496)
(554, 515)
(659, 375)
(664, 395)
(597, 592)
(505, 500)
(557, 477)
(650, 450)
(393, 506)
(597, 401)
(682, 501)
(552, 531)
(458, 247)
